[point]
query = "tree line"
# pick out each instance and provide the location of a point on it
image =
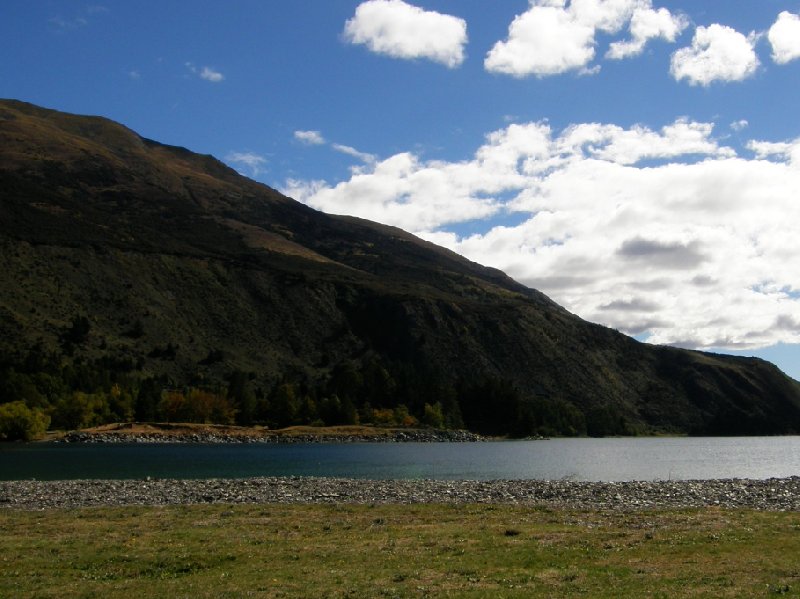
(52, 390)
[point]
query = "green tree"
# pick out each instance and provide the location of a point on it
(18, 422)
(121, 404)
(402, 417)
(241, 394)
(82, 410)
(284, 406)
(77, 333)
(433, 416)
(147, 400)
(16, 386)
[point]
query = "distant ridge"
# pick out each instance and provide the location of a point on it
(152, 267)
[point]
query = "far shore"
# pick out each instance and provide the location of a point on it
(165, 432)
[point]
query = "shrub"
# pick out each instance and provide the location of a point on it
(196, 405)
(81, 410)
(18, 422)
(433, 415)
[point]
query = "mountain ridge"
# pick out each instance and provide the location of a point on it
(193, 272)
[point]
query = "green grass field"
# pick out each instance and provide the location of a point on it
(396, 551)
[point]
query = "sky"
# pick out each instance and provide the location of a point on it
(636, 160)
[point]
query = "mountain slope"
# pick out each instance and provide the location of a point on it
(118, 249)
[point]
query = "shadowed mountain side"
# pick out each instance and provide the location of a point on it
(185, 270)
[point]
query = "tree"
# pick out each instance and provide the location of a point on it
(284, 406)
(147, 399)
(172, 406)
(81, 410)
(121, 404)
(433, 415)
(78, 331)
(196, 405)
(18, 422)
(240, 393)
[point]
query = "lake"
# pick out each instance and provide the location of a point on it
(613, 459)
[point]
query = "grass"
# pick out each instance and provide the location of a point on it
(396, 551)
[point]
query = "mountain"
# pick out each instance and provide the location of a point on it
(131, 264)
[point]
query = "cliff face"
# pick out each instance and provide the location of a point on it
(118, 248)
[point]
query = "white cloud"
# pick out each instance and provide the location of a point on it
(66, 24)
(545, 40)
(740, 125)
(315, 138)
(629, 146)
(206, 73)
(696, 247)
(400, 30)
(78, 21)
(717, 53)
(350, 151)
(784, 35)
(557, 36)
(250, 161)
(311, 138)
(210, 74)
(647, 24)
(786, 150)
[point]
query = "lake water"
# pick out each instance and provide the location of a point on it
(575, 459)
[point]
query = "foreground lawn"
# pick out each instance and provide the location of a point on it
(396, 551)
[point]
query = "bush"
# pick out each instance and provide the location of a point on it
(433, 415)
(18, 422)
(196, 405)
(81, 410)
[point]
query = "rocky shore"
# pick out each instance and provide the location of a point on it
(772, 494)
(213, 434)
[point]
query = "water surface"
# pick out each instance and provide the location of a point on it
(615, 459)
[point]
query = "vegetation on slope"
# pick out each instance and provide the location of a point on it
(144, 281)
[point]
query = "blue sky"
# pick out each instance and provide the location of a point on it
(636, 160)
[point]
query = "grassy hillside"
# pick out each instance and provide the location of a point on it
(132, 270)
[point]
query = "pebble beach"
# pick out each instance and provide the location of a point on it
(772, 494)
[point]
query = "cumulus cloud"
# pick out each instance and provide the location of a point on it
(784, 35)
(784, 150)
(667, 232)
(662, 254)
(251, 162)
(556, 36)
(647, 24)
(717, 53)
(311, 138)
(400, 30)
(545, 40)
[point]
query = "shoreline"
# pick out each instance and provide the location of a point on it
(776, 494)
(215, 433)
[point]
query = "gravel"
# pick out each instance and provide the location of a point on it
(777, 494)
(393, 436)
